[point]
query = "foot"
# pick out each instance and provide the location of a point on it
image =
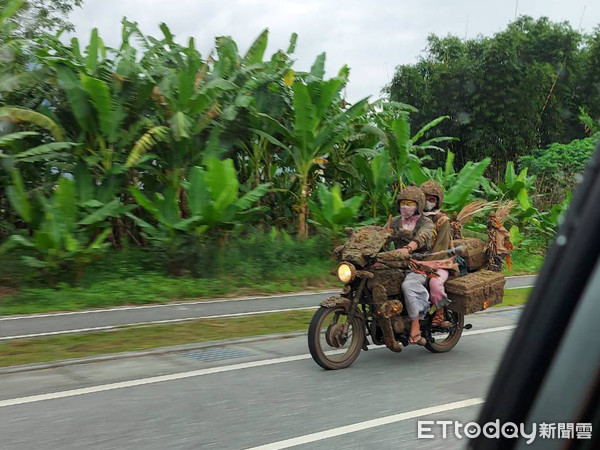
(438, 320)
(417, 339)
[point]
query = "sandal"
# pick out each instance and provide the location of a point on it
(438, 320)
(421, 341)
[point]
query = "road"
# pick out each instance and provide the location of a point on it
(267, 393)
(20, 327)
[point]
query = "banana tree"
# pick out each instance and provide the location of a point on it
(12, 150)
(459, 187)
(406, 153)
(101, 100)
(68, 231)
(319, 123)
(513, 187)
(465, 184)
(331, 213)
(206, 103)
(212, 202)
(376, 179)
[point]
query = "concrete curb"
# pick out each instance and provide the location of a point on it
(179, 348)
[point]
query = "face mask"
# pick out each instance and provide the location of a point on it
(407, 211)
(430, 206)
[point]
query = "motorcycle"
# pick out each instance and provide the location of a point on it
(371, 303)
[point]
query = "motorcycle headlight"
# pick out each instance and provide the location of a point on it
(346, 272)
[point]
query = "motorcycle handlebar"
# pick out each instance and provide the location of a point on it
(450, 252)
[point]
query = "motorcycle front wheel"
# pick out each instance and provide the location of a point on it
(328, 345)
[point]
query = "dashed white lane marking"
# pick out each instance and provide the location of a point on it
(190, 374)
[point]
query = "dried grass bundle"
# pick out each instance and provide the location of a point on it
(473, 208)
(503, 211)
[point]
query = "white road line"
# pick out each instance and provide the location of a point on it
(333, 432)
(154, 322)
(165, 305)
(198, 302)
(144, 381)
(190, 374)
(489, 330)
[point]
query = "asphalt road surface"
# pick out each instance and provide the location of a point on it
(19, 327)
(267, 394)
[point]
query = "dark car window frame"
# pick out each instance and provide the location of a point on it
(559, 287)
(570, 389)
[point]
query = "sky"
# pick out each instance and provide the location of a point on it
(371, 36)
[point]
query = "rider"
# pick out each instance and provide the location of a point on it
(412, 231)
(442, 240)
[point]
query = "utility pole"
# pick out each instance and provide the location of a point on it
(516, 8)
(467, 27)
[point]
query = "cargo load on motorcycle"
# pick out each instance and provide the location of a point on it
(371, 308)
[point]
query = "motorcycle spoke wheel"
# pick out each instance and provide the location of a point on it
(444, 341)
(329, 346)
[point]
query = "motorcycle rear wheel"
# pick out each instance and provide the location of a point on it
(450, 341)
(327, 346)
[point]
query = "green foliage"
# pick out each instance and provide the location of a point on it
(506, 94)
(252, 262)
(318, 125)
(332, 213)
(212, 204)
(557, 167)
(467, 180)
(203, 147)
(376, 178)
(29, 18)
(62, 235)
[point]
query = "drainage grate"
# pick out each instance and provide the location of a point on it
(216, 354)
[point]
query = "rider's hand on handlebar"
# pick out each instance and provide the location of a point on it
(404, 252)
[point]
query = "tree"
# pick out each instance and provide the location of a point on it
(319, 123)
(505, 95)
(35, 17)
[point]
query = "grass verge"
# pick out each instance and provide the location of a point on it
(40, 350)
(157, 288)
(525, 262)
(515, 297)
(55, 348)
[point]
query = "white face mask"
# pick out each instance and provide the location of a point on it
(407, 211)
(430, 206)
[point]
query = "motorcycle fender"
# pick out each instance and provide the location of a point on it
(336, 300)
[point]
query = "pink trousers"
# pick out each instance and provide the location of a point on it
(436, 286)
